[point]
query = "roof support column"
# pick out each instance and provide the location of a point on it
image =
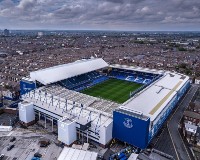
(52, 124)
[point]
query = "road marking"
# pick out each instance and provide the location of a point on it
(173, 143)
(9, 134)
(160, 136)
(170, 120)
(184, 144)
(179, 122)
(180, 104)
(5, 141)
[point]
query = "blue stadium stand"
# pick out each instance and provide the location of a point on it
(81, 82)
(132, 76)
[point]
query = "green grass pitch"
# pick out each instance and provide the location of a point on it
(113, 89)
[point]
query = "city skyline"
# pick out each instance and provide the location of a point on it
(123, 15)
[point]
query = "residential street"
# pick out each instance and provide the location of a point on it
(181, 151)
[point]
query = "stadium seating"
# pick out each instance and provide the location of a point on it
(83, 81)
(133, 76)
(99, 80)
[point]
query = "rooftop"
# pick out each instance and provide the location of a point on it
(73, 154)
(71, 104)
(61, 72)
(136, 68)
(153, 99)
(192, 114)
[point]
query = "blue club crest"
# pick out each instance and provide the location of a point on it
(128, 123)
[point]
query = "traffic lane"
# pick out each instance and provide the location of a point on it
(174, 122)
(165, 145)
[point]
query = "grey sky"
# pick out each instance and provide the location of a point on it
(101, 14)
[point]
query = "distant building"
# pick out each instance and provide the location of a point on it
(40, 34)
(6, 32)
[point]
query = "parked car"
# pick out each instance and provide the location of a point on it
(37, 155)
(44, 143)
(35, 158)
(12, 139)
(10, 147)
(1, 156)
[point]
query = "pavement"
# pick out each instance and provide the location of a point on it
(173, 124)
(27, 143)
(6, 119)
(25, 147)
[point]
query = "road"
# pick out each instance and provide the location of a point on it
(164, 143)
(179, 146)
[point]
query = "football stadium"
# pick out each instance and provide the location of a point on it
(92, 99)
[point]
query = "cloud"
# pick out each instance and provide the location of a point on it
(144, 10)
(27, 4)
(100, 14)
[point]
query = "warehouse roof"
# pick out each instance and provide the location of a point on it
(61, 72)
(153, 99)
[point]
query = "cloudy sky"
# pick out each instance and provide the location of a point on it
(136, 15)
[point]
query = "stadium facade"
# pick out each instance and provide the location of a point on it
(56, 95)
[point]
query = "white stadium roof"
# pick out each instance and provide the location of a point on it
(136, 68)
(61, 72)
(153, 99)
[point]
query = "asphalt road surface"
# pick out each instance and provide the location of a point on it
(179, 146)
(164, 144)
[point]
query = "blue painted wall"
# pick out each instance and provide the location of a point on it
(138, 134)
(26, 86)
(130, 129)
